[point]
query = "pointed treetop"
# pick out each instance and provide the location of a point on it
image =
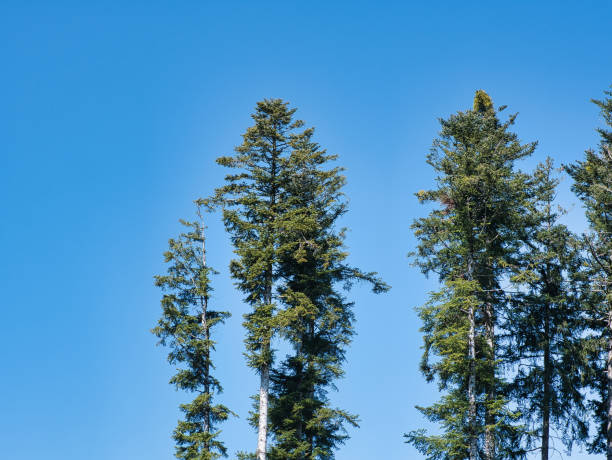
(482, 102)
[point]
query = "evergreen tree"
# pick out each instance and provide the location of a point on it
(593, 185)
(469, 241)
(545, 323)
(185, 327)
(316, 319)
(280, 208)
(253, 212)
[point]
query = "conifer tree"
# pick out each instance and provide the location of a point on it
(593, 185)
(545, 323)
(185, 327)
(252, 212)
(468, 241)
(317, 320)
(280, 209)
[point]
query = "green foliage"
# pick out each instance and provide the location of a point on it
(605, 106)
(185, 328)
(253, 215)
(483, 103)
(281, 208)
(316, 318)
(593, 185)
(511, 365)
(446, 328)
(545, 322)
(469, 241)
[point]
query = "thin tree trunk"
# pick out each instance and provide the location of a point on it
(547, 389)
(473, 449)
(609, 381)
(299, 430)
(262, 435)
(206, 370)
(204, 323)
(311, 394)
(547, 396)
(264, 385)
(472, 384)
(264, 392)
(489, 447)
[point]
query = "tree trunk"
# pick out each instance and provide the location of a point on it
(262, 435)
(264, 386)
(299, 430)
(473, 449)
(547, 389)
(204, 323)
(206, 370)
(472, 384)
(489, 448)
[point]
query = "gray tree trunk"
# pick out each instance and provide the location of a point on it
(262, 435)
(264, 385)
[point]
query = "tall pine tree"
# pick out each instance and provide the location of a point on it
(185, 327)
(545, 323)
(593, 185)
(468, 241)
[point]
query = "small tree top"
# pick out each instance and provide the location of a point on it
(483, 102)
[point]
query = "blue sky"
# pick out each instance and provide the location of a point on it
(112, 115)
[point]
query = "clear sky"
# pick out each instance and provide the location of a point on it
(112, 114)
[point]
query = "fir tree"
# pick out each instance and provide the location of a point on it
(468, 242)
(253, 211)
(593, 185)
(185, 327)
(317, 320)
(280, 208)
(545, 323)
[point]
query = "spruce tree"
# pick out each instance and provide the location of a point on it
(469, 241)
(545, 323)
(593, 185)
(185, 326)
(316, 319)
